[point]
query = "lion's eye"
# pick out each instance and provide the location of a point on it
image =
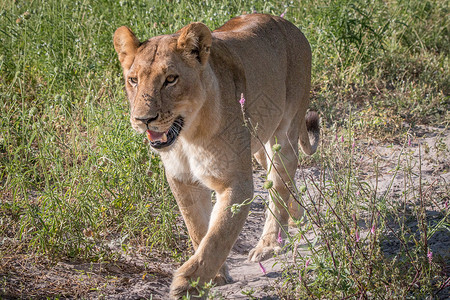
(133, 81)
(171, 79)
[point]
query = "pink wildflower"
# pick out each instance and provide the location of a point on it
(446, 204)
(262, 268)
(282, 15)
(242, 100)
(409, 142)
(430, 256)
(279, 239)
(307, 263)
(353, 145)
(357, 193)
(357, 235)
(342, 138)
(372, 230)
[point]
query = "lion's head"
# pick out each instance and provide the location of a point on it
(163, 78)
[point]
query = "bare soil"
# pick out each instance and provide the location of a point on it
(144, 277)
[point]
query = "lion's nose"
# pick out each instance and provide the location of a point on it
(147, 120)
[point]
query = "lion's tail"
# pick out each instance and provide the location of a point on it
(310, 133)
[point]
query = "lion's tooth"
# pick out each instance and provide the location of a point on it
(164, 138)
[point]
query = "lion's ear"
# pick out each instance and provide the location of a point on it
(126, 45)
(195, 42)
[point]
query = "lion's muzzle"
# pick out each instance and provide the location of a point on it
(159, 140)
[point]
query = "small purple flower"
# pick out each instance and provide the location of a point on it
(357, 235)
(357, 193)
(342, 138)
(409, 142)
(430, 256)
(279, 239)
(242, 100)
(282, 15)
(372, 230)
(263, 270)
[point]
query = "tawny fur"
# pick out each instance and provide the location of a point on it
(268, 60)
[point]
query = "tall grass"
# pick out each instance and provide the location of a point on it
(74, 176)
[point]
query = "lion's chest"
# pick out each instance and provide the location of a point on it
(190, 162)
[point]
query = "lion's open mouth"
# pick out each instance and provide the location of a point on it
(159, 140)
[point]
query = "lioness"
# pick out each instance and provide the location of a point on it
(184, 91)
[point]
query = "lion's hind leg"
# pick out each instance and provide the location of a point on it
(281, 164)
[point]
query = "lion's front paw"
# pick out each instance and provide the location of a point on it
(263, 251)
(180, 286)
(223, 276)
(191, 278)
(181, 283)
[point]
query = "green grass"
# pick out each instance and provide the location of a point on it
(74, 176)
